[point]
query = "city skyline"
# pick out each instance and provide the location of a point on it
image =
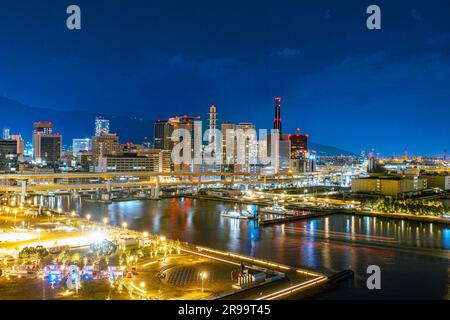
(383, 89)
(90, 128)
(220, 155)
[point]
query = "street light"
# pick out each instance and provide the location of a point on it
(203, 276)
(105, 220)
(124, 225)
(88, 217)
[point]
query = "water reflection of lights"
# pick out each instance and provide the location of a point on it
(446, 238)
(367, 222)
(353, 231)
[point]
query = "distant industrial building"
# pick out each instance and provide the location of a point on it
(394, 186)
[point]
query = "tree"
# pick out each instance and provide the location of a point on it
(63, 257)
(33, 255)
(104, 249)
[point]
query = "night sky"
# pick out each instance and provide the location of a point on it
(346, 86)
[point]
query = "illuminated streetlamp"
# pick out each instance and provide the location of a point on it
(124, 225)
(88, 217)
(105, 220)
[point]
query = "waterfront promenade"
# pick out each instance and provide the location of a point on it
(77, 233)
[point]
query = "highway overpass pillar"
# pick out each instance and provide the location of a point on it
(154, 191)
(23, 194)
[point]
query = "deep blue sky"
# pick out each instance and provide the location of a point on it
(343, 84)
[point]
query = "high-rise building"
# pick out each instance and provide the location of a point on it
(47, 148)
(46, 144)
(43, 127)
(8, 155)
(228, 130)
(246, 148)
(6, 134)
(101, 126)
(299, 152)
(161, 134)
(163, 137)
(20, 143)
(212, 123)
(277, 119)
(81, 145)
(104, 144)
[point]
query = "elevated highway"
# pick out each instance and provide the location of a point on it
(25, 183)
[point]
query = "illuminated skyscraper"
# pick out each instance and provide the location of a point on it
(101, 126)
(8, 155)
(47, 147)
(299, 152)
(20, 143)
(80, 145)
(104, 144)
(228, 130)
(6, 135)
(46, 144)
(43, 127)
(277, 119)
(212, 122)
(246, 148)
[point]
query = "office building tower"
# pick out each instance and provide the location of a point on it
(6, 134)
(81, 145)
(20, 143)
(104, 144)
(161, 134)
(299, 152)
(101, 126)
(246, 148)
(43, 127)
(163, 137)
(46, 144)
(228, 130)
(47, 148)
(8, 155)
